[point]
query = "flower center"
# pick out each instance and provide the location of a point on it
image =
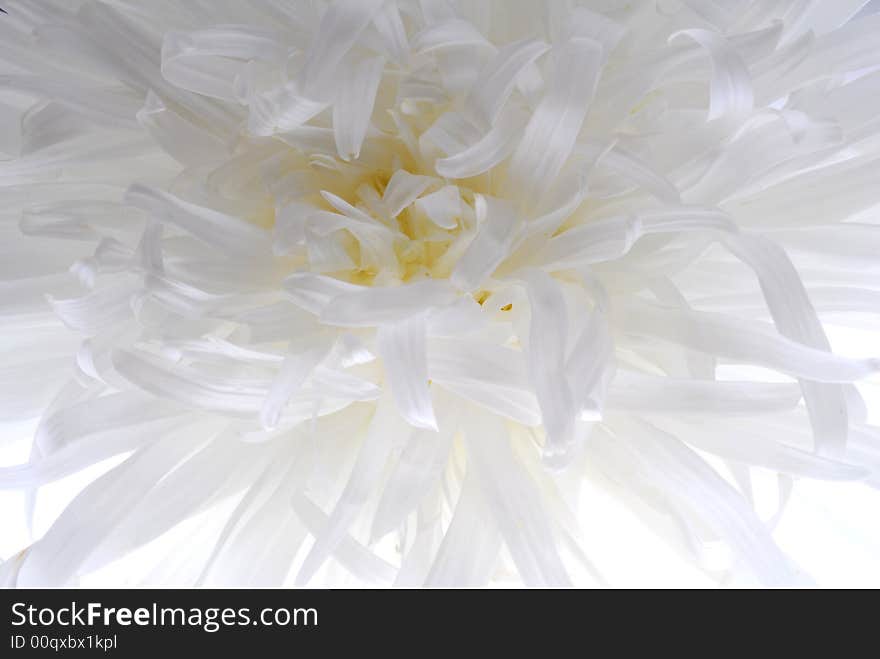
(382, 226)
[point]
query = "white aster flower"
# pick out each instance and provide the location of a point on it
(367, 291)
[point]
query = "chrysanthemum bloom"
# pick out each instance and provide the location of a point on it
(384, 285)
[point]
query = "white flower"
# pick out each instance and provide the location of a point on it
(372, 289)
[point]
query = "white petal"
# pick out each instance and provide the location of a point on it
(487, 152)
(189, 386)
(403, 348)
(354, 105)
(341, 24)
(188, 143)
(327, 253)
(583, 22)
(449, 34)
(267, 497)
(747, 342)
(356, 558)
(443, 207)
(515, 503)
(741, 444)
(419, 469)
(486, 373)
(65, 547)
(795, 318)
(731, 88)
(469, 551)
(547, 344)
(403, 189)
(230, 234)
(202, 60)
(590, 364)
(549, 137)
(282, 109)
(452, 133)
(372, 456)
(694, 488)
(628, 165)
(98, 309)
(498, 79)
(86, 443)
(496, 232)
(314, 292)
(369, 307)
(294, 371)
(219, 469)
(392, 31)
(633, 392)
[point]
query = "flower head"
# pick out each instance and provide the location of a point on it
(373, 289)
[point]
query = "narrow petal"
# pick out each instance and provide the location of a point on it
(403, 348)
